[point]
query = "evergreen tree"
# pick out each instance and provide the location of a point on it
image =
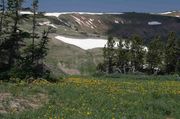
(137, 53)
(14, 6)
(42, 47)
(35, 69)
(2, 9)
(171, 53)
(34, 9)
(35, 53)
(22, 60)
(178, 56)
(109, 53)
(155, 54)
(122, 56)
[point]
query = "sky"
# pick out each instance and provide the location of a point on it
(107, 5)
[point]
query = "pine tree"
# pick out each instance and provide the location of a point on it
(35, 53)
(178, 56)
(171, 53)
(13, 8)
(34, 8)
(137, 53)
(2, 9)
(155, 54)
(37, 68)
(41, 51)
(109, 52)
(23, 61)
(122, 56)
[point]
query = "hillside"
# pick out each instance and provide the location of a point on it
(71, 59)
(171, 13)
(117, 24)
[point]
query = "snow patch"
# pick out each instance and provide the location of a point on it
(100, 21)
(92, 27)
(165, 13)
(85, 23)
(154, 23)
(113, 13)
(78, 20)
(116, 21)
(57, 14)
(91, 20)
(54, 14)
(145, 48)
(83, 18)
(85, 44)
(47, 23)
(25, 13)
(63, 21)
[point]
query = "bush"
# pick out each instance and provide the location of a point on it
(4, 75)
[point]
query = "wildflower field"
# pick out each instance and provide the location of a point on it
(93, 98)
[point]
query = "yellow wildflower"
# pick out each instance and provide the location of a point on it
(88, 113)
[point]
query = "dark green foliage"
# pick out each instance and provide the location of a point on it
(123, 56)
(27, 68)
(133, 57)
(2, 9)
(137, 53)
(155, 55)
(178, 56)
(178, 67)
(171, 53)
(101, 67)
(15, 38)
(109, 53)
(34, 9)
(17, 59)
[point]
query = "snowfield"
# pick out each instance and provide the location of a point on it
(88, 43)
(54, 14)
(154, 23)
(57, 14)
(85, 44)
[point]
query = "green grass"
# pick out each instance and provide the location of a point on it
(126, 97)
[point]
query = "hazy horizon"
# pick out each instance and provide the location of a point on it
(107, 5)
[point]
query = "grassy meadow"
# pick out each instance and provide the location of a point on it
(125, 97)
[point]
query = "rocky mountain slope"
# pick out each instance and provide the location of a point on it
(117, 24)
(171, 13)
(71, 59)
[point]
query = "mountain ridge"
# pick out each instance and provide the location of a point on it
(63, 57)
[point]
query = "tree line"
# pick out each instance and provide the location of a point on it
(132, 56)
(21, 52)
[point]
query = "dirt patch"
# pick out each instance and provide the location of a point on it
(4, 96)
(8, 103)
(68, 70)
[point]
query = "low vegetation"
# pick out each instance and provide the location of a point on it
(155, 97)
